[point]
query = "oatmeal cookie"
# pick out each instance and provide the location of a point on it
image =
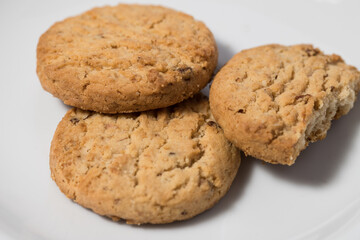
(154, 167)
(126, 58)
(273, 100)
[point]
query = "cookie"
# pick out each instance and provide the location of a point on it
(273, 100)
(155, 167)
(126, 58)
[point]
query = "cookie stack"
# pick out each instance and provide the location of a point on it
(141, 143)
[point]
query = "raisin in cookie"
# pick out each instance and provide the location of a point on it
(273, 100)
(152, 167)
(126, 58)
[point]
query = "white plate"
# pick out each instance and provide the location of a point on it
(317, 198)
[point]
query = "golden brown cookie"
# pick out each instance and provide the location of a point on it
(126, 58)
(273, 100)
(158, 166)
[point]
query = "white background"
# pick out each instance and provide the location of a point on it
(317, 198)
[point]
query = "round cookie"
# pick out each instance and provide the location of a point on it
(271, 101)
(154, 167)
(126, 58)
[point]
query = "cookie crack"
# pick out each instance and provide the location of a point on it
(153, 25)
(206, 179)
(196, 135)
(175, 191)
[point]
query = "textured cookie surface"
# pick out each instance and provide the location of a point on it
(126, 58)
(273, 100)
(155, 167)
